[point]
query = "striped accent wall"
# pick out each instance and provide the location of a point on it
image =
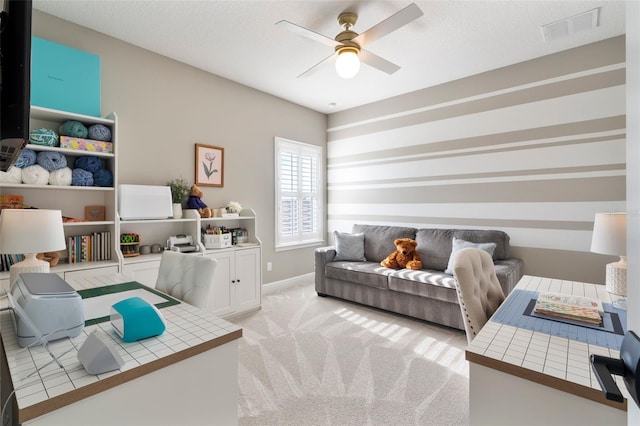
(534, 149)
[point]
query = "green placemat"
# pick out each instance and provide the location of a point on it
(119, 288)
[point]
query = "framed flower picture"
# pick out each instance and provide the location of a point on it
(209, 165)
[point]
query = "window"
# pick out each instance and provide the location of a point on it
(299, 204)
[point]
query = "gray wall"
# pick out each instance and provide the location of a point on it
(534, 149)
(165, 107)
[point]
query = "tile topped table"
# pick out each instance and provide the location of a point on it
(522, 376)
(192, 365)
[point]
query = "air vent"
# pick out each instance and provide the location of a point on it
(564, 28)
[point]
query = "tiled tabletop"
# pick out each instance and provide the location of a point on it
(536, 355)
(188, 331)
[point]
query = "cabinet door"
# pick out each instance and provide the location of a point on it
(221, 298)
(247, 285)
(145, 272)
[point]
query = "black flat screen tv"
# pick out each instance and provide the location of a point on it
(15, 78)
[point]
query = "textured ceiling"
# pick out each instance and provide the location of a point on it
(238, 39)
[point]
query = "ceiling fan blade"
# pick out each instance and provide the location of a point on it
(392, 23)
(304, 32)
(317, 66)
(377, 62)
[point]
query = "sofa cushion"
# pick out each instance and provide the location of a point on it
(425, 283)
(487, 236)
(434, 246)
(370, 274)
(459, 244)
(349, 246)
(378, 240)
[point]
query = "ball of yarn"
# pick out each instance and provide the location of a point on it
(51, 160)
(103, 177)
(35, 175)
(13, 175)
(61, 177)
(80, 177)
(73, 128)
(99, 132)
(90, 163)
(42, 136)
(27, 158)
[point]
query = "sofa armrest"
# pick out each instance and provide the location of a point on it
(323, 255)
(509, 272)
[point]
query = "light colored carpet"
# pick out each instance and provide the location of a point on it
(309, 360)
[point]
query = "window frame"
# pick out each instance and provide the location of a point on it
(288, 242)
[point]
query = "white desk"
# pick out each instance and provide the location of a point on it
(519, 376)
(186, 376)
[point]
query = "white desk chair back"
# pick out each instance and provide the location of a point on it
(188, 277)
(478, 288)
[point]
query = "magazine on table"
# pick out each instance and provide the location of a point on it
(567, 306)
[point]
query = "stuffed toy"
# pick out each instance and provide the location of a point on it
(195, 202)
(52, 257)
(405, 255)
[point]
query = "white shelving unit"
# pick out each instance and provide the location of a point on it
(72, 200)
(238, 279)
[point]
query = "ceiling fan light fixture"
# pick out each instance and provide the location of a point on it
(347, 62)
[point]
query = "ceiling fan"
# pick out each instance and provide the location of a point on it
(349, 45)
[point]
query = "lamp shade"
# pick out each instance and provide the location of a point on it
(347, 62)
(31, 231)
(610, 234)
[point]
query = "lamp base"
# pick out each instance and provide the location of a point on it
(29, 264)
(617, 278)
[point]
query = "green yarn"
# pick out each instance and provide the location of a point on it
(74, 129)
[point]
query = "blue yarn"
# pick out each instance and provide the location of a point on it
(74, 129)
(27, 158)
(103, 177)
(46, 137)
(99, 132)
(51, 160)
(90, 163)
(81, 177)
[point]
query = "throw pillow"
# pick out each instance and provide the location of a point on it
(459, 244)
(349, 246)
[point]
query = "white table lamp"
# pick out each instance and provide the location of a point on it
(610, 237)
(29, 232)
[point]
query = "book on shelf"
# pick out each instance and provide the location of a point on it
(570, 307)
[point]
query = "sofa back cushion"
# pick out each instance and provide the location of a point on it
(378, 240)
(435, 245)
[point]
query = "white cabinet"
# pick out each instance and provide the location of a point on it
(237, 286)
(72, 200)
(145, 272)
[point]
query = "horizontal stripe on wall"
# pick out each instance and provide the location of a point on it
(558, 211)
(610, 188)
(568, 133)
(578, 108)
(536, 94)
(573, 61)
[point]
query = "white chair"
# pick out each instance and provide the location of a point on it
(188, 277)
(478, 288)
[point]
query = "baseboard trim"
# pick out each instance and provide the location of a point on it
(289, 282)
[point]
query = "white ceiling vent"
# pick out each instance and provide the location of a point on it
(574, 24)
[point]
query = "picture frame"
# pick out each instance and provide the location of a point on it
(94, 213)
(209, 165)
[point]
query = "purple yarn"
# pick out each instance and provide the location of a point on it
(80, 177)
(99, 132)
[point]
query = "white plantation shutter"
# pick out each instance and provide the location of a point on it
(298, 193)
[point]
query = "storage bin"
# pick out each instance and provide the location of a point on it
(212, 241)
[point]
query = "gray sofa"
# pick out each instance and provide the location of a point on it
(428, 294)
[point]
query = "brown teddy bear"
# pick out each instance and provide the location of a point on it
(195, 202)
(51, 256)
(405, 255)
